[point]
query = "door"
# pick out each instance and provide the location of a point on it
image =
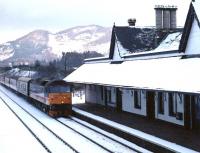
(187, 113)
(197, 114)
(119, 100)
(150, 105)
(105, 97)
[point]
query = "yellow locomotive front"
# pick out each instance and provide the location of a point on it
(59, 98)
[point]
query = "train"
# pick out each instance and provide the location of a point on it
(51, 96)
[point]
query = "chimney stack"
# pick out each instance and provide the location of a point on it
(165, 16)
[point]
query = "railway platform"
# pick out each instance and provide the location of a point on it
(155, 135)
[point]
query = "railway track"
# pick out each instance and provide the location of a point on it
(49, 129)
(59, 140)
(107, 135)
(90, 128)
(34, 135)
(96, 142)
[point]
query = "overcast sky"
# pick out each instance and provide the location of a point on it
(18, 17)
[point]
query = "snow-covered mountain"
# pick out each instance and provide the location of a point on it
(43, 45)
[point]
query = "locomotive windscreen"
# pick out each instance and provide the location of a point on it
(58, 89)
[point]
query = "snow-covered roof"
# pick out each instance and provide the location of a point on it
(24, 79)
(16, 72)
(171, 42)
(168, 47)
(170, 74)
(128, 40)
(133, 39)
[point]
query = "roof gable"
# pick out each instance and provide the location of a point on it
(196, 5)
(193, 14)
(193, 47)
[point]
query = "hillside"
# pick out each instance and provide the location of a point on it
(46, 46)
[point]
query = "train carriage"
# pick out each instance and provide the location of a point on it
(7, 81)
(37, 90)
(23, 85)
(13, 83)
(53, 97)
(2, 78)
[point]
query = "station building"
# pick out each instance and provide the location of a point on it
(152, 72)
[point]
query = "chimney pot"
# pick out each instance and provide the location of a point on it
(132, 22)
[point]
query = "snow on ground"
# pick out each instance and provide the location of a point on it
(104, 141)
(6, 54)
(166, 144)
(67, 45)
(74, 139)
(80, 39)
(14, 137)
(53, 144)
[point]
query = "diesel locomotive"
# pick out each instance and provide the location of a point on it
(51, 96)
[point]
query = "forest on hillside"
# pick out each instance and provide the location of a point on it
(56, 69)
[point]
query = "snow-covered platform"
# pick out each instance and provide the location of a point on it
(14, 137)
(146, 133)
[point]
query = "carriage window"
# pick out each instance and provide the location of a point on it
(160, 103)
(59, 89)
